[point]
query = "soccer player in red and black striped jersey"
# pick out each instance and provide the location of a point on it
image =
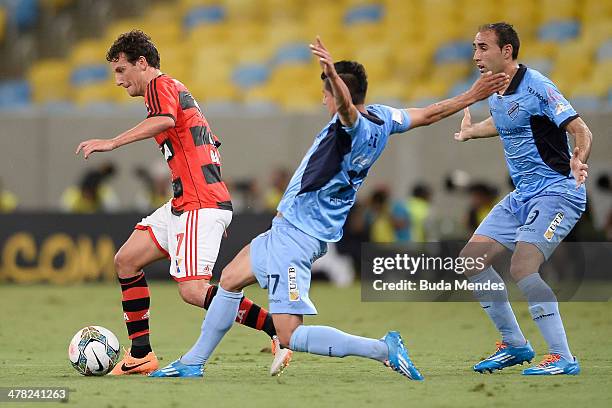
(188, 229)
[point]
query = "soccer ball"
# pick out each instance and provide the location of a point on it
(93, 350)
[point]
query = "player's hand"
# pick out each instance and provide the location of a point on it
(325, 59)
(488, 83)
(578, 168)
(95, 145)
(466, 125)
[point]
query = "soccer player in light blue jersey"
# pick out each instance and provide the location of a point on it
(532, 119)
(311, 213)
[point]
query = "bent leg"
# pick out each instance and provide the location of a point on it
(223, 309)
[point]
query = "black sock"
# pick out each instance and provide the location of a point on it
(140, 346)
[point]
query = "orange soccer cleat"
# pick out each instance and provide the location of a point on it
(132, 365)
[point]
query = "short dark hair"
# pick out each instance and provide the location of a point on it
(505, 35)
(354, 76)
(134, 45)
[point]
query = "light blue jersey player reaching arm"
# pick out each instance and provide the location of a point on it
(531, 117)
(311, 213)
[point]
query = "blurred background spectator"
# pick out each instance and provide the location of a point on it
(93, 193)
(8, 200)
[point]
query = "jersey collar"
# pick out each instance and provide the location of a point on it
(516, 80)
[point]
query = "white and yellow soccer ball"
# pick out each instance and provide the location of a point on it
(94, 350)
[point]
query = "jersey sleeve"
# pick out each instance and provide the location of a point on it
(400, 120)
(161, 98)
(554, 105)
(357, 126)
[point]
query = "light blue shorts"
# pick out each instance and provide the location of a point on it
(281, 259)
(543, 221)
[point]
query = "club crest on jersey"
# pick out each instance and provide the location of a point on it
(294, 293)
(550, 231)
(514, 110)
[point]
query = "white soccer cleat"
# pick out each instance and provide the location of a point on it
(282, 357)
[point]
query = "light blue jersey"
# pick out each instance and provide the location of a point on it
(530, 118)
(323, 188)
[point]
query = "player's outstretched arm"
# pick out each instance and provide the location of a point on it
(479, 130)
(347, 112)
(487, 84)
(583, 138)
(144, 130)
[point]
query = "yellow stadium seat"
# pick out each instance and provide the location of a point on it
(286, 32)
(436, 88)
(244, 10)
(2, 23)
(89, 52)
(262, 93)
(221, 91)
(558, 9)
(92, 93)
(595, 10)
(394, 89)
(119, 27)
(186, 5)
(537, 50)
(451, 72)
(596, 32)
(49, 79)
(209, 34)
(55, 5)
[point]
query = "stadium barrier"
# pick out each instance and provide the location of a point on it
(68, 249)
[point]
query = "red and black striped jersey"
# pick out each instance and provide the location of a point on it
(190, 147)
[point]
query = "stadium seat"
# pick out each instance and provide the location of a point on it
(208, 14)
(293, 53)
(85, 74)
(23, 13)
(605, 51)
(454, 51)
(587, 103)
(14, 94)
(249, 75)
(2, 23)
(364, 13)
(555, 10)
(49, 80)
(543, 65)
(89, 52)
(559, 31)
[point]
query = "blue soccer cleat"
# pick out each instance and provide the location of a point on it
(178, 369)
(505, 356)
(554, 364)
(398, 357)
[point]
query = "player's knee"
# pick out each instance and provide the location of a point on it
(193, 292)
(230, 280)
(123, 266)
(519, 269)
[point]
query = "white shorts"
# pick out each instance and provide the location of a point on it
(191, 241)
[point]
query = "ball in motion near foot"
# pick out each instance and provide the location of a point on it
(93, 350)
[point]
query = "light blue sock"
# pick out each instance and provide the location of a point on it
(497, 306)
(544, 310)
(327, 341)
(219, 319)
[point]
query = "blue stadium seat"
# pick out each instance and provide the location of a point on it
(23, 13)
(587, 103)
(454, 51)
(293, 53)
(558, 31)
(249, 75)
(14, 94)
(86, 74)
(203, 15)
(543, 65)
(364, 14)
(605, 51)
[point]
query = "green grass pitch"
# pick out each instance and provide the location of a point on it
(445, 340)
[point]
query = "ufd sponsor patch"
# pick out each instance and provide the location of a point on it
(294, 293)
(550, 231)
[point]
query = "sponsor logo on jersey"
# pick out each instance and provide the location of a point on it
(532, 217)
(550, 231)
(294, 293)
(396, 116)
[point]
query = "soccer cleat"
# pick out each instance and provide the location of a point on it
(282, 357)
(178, 369)
(554, 364)
(398, 357)
(133, 365)
(505, 356)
